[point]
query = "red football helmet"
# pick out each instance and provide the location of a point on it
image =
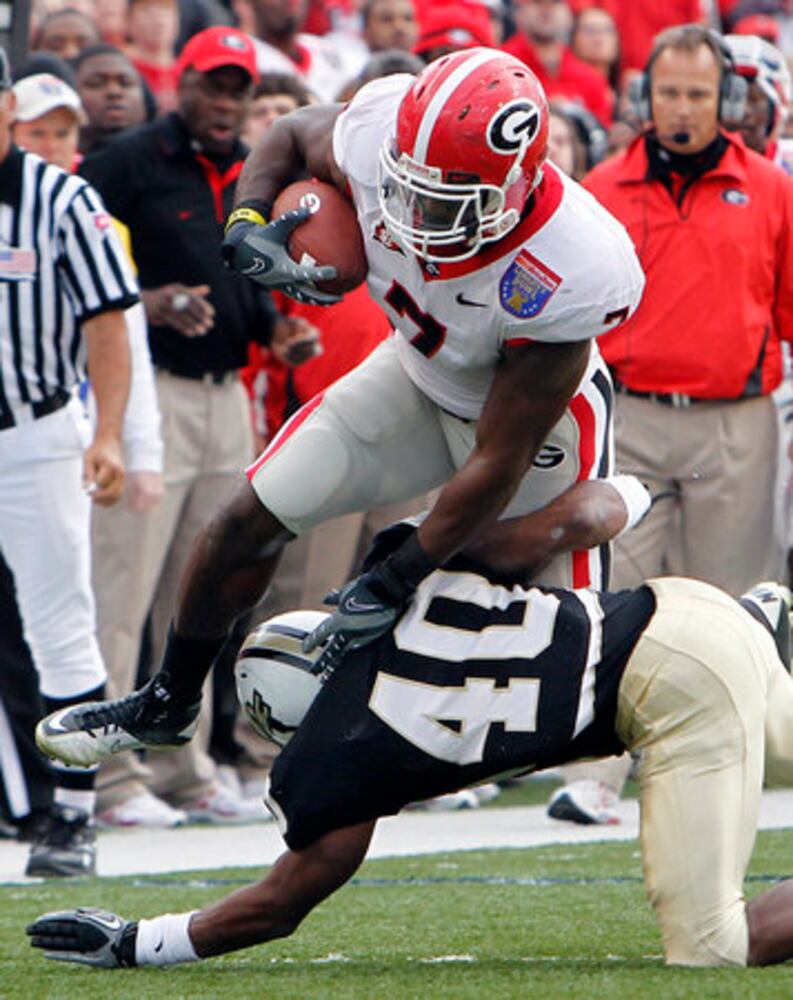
(471, 137)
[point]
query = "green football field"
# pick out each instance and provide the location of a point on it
(558, 921)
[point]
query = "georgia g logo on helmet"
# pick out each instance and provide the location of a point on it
(514, 125)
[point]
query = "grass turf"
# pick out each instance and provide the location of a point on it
(559, 921)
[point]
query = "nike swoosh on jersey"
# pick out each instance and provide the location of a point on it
(469, 302)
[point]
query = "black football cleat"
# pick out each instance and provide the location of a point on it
(64, 845)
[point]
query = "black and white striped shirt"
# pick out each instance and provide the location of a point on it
(61, 264)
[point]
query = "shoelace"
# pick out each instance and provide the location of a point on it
(118, 713)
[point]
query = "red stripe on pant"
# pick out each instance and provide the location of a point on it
(284, 434)
(584, 416)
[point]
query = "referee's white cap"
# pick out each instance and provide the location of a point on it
(39, 94)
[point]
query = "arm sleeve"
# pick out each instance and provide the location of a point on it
(96, 271)
(141, 433)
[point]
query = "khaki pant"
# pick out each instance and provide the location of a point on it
(139, 560)
(719, 463)
(704, 699)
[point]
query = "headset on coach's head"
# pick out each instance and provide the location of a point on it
(733, 88)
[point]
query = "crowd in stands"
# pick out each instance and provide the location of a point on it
(104, 92)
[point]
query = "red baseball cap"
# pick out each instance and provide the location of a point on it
(459, 26)
(763, 25)
(219, 46)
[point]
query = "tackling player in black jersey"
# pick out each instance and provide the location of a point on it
(483, 675)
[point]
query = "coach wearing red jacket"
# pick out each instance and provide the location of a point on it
(713, 226)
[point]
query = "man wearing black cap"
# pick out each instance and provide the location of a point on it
(64, 286)
(172, 183)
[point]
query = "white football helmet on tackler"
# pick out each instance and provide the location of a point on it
(471, 137)
(276, 682)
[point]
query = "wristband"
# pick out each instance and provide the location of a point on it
(165, 940)
(407, 567)
(252, 210)
(635, 496)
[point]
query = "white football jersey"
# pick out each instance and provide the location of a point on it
(567, 272)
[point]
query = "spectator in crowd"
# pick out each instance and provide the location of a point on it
(539, 41)
(274, 95)
(639, 21)
(566, 146)
(112, 95)
(65, 33)
(198, 15)
(589, 138)
(695, 367)
(112, 19)
(153, 28)
(445, 28)
(47, 119)
(389, 24)
(281, 47)
(595, 40)
(62, 252)
(172, 182)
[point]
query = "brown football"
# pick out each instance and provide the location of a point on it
(330, 236)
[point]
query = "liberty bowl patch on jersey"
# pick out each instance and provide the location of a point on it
(527, 285)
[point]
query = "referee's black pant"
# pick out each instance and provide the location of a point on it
(26, 781)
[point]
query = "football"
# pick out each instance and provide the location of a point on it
(330, 236)
(275, 683)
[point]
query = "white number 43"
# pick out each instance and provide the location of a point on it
(452, 723)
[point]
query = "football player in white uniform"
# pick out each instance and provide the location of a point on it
(498, 273)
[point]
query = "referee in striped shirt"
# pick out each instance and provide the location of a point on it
(64, 284)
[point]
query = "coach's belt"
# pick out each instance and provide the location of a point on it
(676, 399)
(42, 408)
(208, 378)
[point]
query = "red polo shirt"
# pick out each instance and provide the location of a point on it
(575, 79)
(719, 288)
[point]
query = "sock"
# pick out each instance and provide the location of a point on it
(187, 663)
(84, 801)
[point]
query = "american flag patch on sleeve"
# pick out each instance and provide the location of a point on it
(17, 264)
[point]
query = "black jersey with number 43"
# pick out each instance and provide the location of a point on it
(478, 679)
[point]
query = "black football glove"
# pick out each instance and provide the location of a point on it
(368, 606)
(87, 935)
(260, 253)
